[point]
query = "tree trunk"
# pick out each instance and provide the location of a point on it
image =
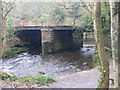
(119, 42)
(100, 44)
(115, 38)
(4, 36)
(0, 29)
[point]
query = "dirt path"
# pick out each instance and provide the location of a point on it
(84, 79)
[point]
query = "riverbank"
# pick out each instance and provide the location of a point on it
(84, 79)
(69, 69)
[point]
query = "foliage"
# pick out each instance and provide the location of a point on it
(77, 37)
(75, 13)
(10, 27)
(13, 51)
(86, 21)
(102, 76)
(12, 40)
(44, 18)
(13, 78)
(97, 59)
(103, 72)
(27, 79)
(59, 15)
(38, 79)
(4, 76)
(41, 79)
(108, 49)
(105, 17)
(106, 23)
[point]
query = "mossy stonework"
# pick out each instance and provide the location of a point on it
(59, 40)
(51, 39)
(47, 41)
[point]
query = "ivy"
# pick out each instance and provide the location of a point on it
(103, 71)
(102, 75)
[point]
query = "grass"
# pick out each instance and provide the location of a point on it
(28, 80)
(44, 80)
(13, 51)
(13, 78)
(38, 79)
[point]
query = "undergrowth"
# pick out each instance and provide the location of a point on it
(102, 71)
(29, 80)
(13, 51)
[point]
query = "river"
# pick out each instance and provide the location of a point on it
(59, 64)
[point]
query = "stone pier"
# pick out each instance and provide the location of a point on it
(47, 40)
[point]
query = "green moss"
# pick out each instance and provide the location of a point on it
(108, 49)
(4, 76)
(13, 51)
(19, 50)
(49, 51)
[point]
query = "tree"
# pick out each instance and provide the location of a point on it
(105, 19)
(0, 29)
(6, 9)
(75, 12)
(104, 83)
(58, 15)
(104, 62)
(115, 38)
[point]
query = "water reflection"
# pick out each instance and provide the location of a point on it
(53, 64)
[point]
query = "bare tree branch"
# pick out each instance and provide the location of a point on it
(4, 17)
(65, 6)
(8, 11)
(87, 7)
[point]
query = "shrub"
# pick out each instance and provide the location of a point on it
(4, 76)
(27, 79)
(13, 78)
(13, 51)
(41, 79)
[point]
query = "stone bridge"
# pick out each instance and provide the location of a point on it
(51, 39)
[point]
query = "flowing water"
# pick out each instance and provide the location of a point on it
(55, 65)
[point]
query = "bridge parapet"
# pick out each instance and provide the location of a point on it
(44, 27)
